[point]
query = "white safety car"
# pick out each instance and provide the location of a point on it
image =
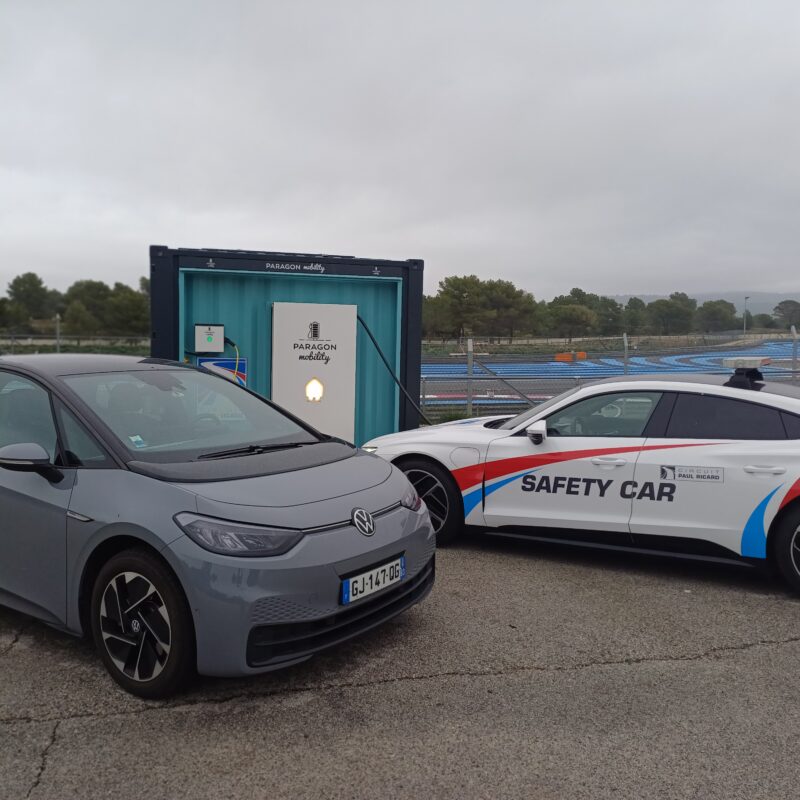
(700, 465)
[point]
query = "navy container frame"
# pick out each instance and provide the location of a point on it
(167, 265)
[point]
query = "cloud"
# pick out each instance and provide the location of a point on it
(618, 146)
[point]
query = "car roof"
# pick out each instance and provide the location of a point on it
(762, 387)
(54, 365)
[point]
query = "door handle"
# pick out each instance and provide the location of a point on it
(757, 469)
(609, 462)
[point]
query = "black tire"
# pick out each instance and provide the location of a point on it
(142, 626)
(444, 501)
(786, 548)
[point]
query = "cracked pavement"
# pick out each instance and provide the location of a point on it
(531, 671)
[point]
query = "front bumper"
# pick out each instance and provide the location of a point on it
(274, 645)
(255, 615)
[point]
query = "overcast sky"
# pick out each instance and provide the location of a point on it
(620, 146)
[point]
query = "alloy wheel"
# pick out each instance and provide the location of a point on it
(794, 550)
(431, 490)
(135, 626)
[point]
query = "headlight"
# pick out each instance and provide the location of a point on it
(411, 500)
(237, 538)
(369, 448)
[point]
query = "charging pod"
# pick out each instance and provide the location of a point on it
(289, 312)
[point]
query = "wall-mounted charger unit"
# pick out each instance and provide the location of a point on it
(209, 338)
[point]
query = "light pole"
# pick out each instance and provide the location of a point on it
(744, 316)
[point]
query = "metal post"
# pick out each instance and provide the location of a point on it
(794, 353)
(744, 317)
(625, 350)
(422, 392)
(58, 333)
(469, 376)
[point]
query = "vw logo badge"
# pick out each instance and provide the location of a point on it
(363, 521)
(135, 625)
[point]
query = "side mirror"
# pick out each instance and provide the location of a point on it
(26, 457)
(29, 457)
(537, 432)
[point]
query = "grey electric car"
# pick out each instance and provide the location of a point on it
(186, 522)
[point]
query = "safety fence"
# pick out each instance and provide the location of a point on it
(14, 344)
(469, 383)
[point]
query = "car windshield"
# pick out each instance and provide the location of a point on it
(522, 418)
(184, 414)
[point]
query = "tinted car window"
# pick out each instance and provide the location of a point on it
(792, 424)
(25, 414)
(520, 419)
(705, 416)
(613, 414)
(80, 447)
(182, 414)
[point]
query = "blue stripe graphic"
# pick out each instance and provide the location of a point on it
(471, 499)
(754, 536)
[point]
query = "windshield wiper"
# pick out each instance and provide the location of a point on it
(250, 450)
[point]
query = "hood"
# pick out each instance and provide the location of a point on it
(474, 421)
(473, 429)
(299, 487)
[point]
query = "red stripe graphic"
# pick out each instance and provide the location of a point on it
(474, 474)
(468, 476)
(792, 494)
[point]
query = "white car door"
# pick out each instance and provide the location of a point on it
(731, 466)
(580, 475)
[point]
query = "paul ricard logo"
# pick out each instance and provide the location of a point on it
(314, 347)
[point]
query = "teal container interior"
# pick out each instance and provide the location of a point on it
(242, 302)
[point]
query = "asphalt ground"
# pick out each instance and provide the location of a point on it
(532, 671)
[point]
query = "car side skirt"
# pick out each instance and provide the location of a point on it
(667, 546)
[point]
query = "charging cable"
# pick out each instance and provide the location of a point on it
(391, 371)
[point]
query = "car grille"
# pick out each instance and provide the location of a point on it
(277, 610)
(271, 644)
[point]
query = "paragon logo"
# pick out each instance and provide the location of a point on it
(314, 347)
(287, 267)
(363, 521)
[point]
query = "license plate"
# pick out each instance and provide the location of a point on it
(373, 580)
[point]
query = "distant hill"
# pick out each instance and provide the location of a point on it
(759, 302)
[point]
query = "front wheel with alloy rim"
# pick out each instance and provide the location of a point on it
(437, 488)
(786, 548)
(141, 625)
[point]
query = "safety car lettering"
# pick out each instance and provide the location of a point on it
(559, 483)
(628, 490)
(631, 490)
